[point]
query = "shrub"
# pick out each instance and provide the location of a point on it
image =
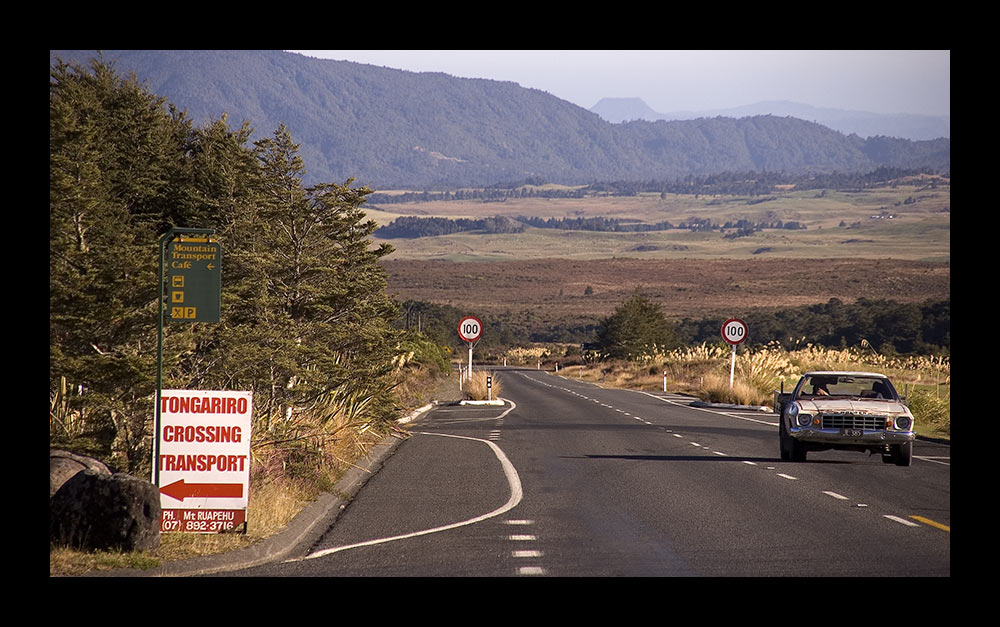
(475, 386)
(931, 410)
(715, 389)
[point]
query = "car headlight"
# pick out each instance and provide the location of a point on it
(903, 423)
(801, 420)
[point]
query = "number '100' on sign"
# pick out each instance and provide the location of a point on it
(734, 331)
(470, 328)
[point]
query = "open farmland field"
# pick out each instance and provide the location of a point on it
(910, 220)
(851, 248)
(555, 288)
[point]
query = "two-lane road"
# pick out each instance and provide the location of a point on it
(569, 479)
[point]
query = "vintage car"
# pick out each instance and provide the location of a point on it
(853, 411)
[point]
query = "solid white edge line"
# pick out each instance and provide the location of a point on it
(513, 480)
(711, 411)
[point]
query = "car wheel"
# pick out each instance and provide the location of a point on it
(784, 441)
(798, 451)
(903, 454)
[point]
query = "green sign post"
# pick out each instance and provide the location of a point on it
(192, 262)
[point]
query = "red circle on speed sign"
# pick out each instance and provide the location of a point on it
(734, 331)
(470, 328)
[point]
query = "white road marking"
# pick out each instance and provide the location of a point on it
(781, 474)
(934, 460)
(902, 521)
(513, 480)
(711, 411)
(531, 570)
(526, 554)
(526, 537)
(835, 495)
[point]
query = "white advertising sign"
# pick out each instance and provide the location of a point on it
(204, 460)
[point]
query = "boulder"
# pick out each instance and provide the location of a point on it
(63, 465)
(97, 511)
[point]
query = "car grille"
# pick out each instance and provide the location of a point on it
(853, 421)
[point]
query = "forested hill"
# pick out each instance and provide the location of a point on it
(391, 128)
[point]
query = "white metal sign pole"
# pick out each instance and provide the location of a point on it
(732, 367)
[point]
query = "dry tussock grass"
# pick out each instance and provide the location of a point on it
(475, 386)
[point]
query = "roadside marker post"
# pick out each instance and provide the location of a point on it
(734, 331)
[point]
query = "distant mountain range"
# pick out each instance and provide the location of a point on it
(391, 128)
(862, 123)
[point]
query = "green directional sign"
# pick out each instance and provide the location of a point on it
(194, 279)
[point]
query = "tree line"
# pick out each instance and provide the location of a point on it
(638, 325)
(412, 227)
(750, 183)
(889, 326)
(306, 321)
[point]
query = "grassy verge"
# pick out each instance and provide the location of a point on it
(275, 499)
(282, 485)
(703, 372)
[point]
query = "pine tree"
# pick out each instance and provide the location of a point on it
(111, 144)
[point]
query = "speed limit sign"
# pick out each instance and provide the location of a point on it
(470, 328)
(734, 331)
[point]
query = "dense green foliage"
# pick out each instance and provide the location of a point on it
(410, 227)
(636, 328)
(305, 317)
(403, 129)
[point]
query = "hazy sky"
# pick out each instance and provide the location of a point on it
(880, 81)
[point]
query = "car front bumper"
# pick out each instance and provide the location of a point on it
(847, 437)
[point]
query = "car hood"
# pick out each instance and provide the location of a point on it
(852, 406)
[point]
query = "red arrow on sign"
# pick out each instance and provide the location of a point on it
(180, 490)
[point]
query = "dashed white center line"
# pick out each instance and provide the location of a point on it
(531, 570)
(522, 537)
(835, 495)
(526, 554)
(781, 474)
(902, 521)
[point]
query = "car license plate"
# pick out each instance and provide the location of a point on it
(852, 433)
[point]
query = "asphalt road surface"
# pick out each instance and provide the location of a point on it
(567, 479)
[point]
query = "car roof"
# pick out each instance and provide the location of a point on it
(848, 373)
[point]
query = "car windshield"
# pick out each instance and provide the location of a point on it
(854, 386)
